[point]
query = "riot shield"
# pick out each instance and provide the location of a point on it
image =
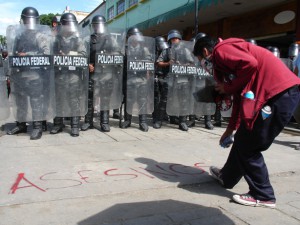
(288, 62)
(31, 69)
(140, 75)
(108, 75)
(204, 93)
(70, 59)
(181, 80)
(4, 105)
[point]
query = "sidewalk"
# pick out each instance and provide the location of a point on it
(129, 177)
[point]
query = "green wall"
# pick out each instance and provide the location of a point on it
(144, 11)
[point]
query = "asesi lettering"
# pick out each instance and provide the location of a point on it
(60, 180)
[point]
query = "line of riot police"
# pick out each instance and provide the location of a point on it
(69, 71)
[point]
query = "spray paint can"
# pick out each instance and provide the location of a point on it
(227, 141)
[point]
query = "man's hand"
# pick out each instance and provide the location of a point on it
(21, 54)
(91, 68)
(227, 133)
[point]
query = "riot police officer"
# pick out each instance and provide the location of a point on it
(31, 81)
(70, 81)
(274, 50)
(292, 55)
(4, 55)
(105, 77)
(138, 82)
(180, 54)
(207, 118)
(160, 85)
(55, 23)
(252, 41)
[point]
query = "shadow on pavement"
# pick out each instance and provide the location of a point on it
(292, 144)
(194, 179)
(158, 213)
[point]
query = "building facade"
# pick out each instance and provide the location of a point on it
(270, 22)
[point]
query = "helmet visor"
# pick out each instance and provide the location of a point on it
(173, 35)
(162, 45)
(30, 23)
(98, 28)
(69, 27)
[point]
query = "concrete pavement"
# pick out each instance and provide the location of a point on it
(129, 177)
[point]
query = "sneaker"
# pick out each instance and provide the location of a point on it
(216, 173)
(247, 199)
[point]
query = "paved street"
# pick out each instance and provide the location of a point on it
(128, 177)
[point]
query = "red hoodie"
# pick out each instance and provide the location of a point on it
(255, 69)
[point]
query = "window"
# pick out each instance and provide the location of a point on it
(120, 6)
(110, 13)
(132, 2)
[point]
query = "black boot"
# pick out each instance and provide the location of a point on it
(182, 123)
(88, 122)
(58, 125)
(116, 114)
(19, 128)
(75, 126)
(127, 122)
(174, 120)
(143, 122)
(158, 118)
(208, 123)
(192, 121)
(37, 130)
(104, 121)
(44, 125)
(86, 126)
(157, 124)
(218, 119)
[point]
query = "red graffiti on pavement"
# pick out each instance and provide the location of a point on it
(55, 180)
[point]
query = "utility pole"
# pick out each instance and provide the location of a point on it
(196, 17)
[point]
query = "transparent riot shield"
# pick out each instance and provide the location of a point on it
(31, 72)
(140, 75)
(181, 80)
(4, 105)
(288, 62)
(203, 93)
(109, 54)
(70, 59)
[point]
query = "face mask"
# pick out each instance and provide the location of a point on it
(206, 63)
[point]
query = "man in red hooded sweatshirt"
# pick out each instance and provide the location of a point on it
(265, 94)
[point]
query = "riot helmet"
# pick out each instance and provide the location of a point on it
(174, 34)
(160, 43)
(293, 50)
(197, 37)
(252, 41)
(133, 31)
(274, 50)
(69, 22)
(98, 24)
(200, 35)
(136, 32)
(55, 21)
(30, 17)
